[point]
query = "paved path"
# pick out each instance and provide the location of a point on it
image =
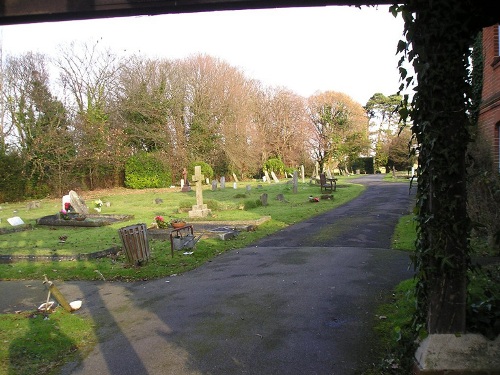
(301, 301)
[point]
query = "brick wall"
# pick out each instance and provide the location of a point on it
(489, 115)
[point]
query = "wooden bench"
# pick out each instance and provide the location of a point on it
(327, 183)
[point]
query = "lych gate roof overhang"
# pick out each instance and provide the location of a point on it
(29, 11)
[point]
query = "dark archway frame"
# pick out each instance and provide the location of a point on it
(439, 34)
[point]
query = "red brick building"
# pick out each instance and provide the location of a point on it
(489, 114)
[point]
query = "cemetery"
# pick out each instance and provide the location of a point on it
(213, 211)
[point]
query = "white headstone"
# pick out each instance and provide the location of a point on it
(273, 175)
(268, 179)
(16, 220)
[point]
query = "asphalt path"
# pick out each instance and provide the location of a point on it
(301, 301)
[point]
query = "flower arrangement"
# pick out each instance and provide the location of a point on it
(160, 222)
(63, 214)
(177, 223)
(98, 205)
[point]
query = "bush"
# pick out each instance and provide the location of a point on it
(12, 183)
(206, 169)
(275, 165)
(146, 170)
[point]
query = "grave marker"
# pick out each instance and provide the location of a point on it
(78, 203)
(200, 209)
(295, 182)
(275, 179)
(268, 179)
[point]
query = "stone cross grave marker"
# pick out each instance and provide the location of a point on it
(295, 181)
(200, 209)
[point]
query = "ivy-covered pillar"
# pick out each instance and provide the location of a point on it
(440, 42)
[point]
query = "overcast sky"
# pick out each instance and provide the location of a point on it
(344, 49)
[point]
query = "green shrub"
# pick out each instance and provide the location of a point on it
(12, 186)
(145, 170)
(206, 169)
(274, 165)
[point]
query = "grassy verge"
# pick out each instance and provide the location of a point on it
(38, 344)
(394, 319)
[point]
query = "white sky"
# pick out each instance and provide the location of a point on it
(344, 49)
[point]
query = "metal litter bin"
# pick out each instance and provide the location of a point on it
(135, 242)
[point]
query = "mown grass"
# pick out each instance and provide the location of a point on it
(34, 343)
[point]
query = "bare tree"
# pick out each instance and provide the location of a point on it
(88, 75)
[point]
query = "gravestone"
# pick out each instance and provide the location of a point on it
(15, 221)
(185, 184)
(263, 199)
(281, 198)
(273, 175)
(200, 209)
(78, 203)
(268, 179)
(223, 182)
(295, 179)
(214, 185)
(248, 188)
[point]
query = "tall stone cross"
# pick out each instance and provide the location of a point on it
(200, 209)
(198, 178)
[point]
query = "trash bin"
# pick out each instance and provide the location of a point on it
(135, 242)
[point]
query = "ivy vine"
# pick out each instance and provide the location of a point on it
(438, 39)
